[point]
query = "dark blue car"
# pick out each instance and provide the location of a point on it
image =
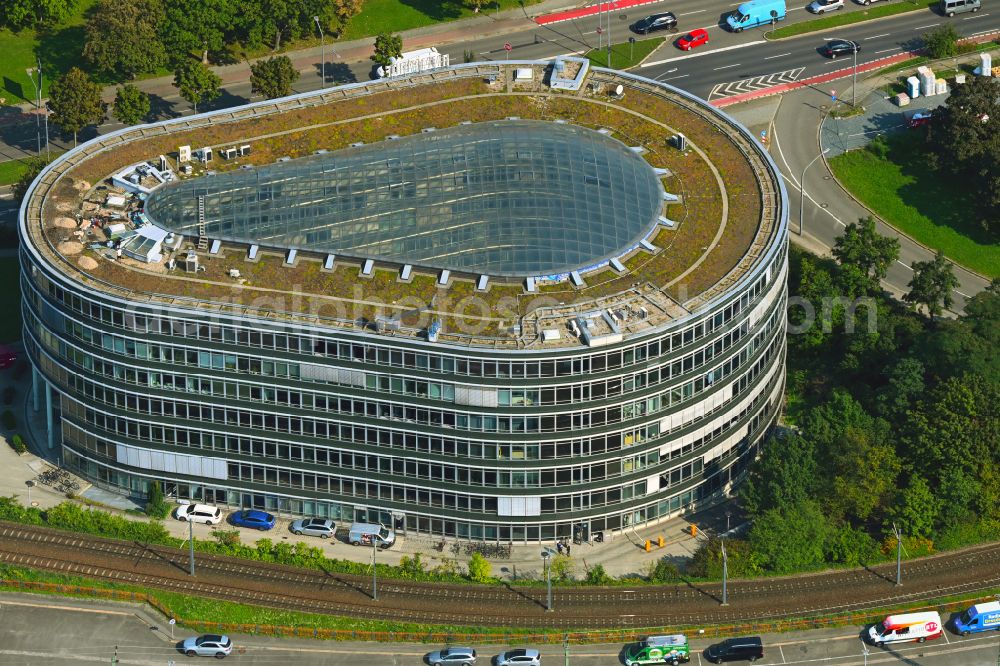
(258, 520)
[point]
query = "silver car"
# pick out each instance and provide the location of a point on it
(823, 6)
(453, 656)
(521, 657)
(209, 645)
(320, 527)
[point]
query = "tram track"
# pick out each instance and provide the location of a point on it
(281, 586)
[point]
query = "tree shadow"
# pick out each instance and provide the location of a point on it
(60, 50)
(337, 73)
(161, 109)
(436, 10)
(18, 129)
(223, 101)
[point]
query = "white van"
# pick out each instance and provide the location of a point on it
(952, 7)
(363, 534)
(906, 627)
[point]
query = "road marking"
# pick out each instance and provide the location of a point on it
(673, 78)
(755, 83)
(98, 611)
(888, 50)
(701, 53)
(725, 67)
(945, 634)
(961, 294)
(699, 11)
(927, 26)
(777, 56)
(783, 660)
(969, 18)
(875, 37)
(909, 268)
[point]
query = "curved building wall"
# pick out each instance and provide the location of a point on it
(474, 443)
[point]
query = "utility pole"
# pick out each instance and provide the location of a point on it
(725, 573)
(38, 103)
(609, 34)
(322, 46)
(854, 85)
(899, 555)
(374, 568)
(566, 649)
(191, 545)
(546, 557)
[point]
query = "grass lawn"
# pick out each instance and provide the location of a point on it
(931, 207)
(398, 15)
(11, 170)
(59, 49)
(10, 325)
(838, 19)
(624, 56)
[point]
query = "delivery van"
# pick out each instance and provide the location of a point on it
(981, 617)
(754, 13)
(671, 650)
(362, 534)
(906, 627)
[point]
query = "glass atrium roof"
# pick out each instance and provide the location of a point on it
(508, 198)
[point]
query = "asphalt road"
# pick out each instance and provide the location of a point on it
(37, 630)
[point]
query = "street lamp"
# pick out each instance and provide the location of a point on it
(30, 484)
(38, 102)
(854, 84)
(802, 188)
(725, 573)
(322, 46)
(546, 558)
(375, 539)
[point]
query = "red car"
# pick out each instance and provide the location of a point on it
(692, 39)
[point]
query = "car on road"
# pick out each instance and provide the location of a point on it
(736, 649)
(209, 645)
(258, 520)
(321, 527)
(865, 2)
(520, 657)
(824, 6)
(453, 656)
(692, 39)
(838, 47)
(199, 513)
(662, 21)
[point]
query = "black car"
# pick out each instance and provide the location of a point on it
(839, 47)
(736, 649)
(664, 21)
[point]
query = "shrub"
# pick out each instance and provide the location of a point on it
(480, 570)
(561, 568)
(942, 42)
(879, 147)
(596, 575)
(227, 537)
(413, 567)
(8, 420)
(156, 507)
(17, 443)
(15, 512)
(664, 571)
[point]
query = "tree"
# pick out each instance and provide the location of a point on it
(791, 538)
(906, 385)
(75, 101)
(122, 38)
(200, 25)
(942, 42)
(273, 77)
(596, 575)
(786, 473)
(34, 167)
(864, 256)
(156, 506)
(932, 284)
(345, 10)
(131, 105)
(964, 134)
(480, 570)
(19, 14)
(916, 508)
(197, 83)
(387, 46)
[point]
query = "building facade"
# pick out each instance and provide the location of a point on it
(466, 441)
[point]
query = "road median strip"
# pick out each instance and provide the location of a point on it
(842, 19)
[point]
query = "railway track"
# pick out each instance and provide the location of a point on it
(308, 590)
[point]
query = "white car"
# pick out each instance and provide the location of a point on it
(210, 645)
(521, 657)
(199, 513)
(823, 6)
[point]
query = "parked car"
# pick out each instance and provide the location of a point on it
(662, 21)
(736, 649)
(692, 39)
(671, 650)
(520, 657)
(258, 520)
(981, 617)
(209, 645)
(839, 47)
(453, 656)
(200, 513)
(918, 118)
(823, 6)
(320, 527)
(906, 627)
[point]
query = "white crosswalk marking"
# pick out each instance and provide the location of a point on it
(755, 83)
